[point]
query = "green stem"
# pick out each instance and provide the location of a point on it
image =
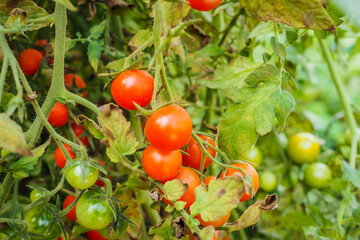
(6, 187)
(211, 103)
(229, 27)
(3, 75)
(144, 198)
(82, 101)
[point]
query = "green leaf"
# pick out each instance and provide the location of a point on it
(174, 12)
(257, 103)
(97, 30)
(356, 214)
(299, 14)
(291, 36)
(12, 137)
(174, 189)
(221, 197)
(313, 233)
(231, 75)
(286, 77)
(67, 4)
(180, 205)
(207, 233)
(91, 126)
(252, 214)
(262, 28)
(210, 50)
(118, 137)
(140, 38)
(278, 48)
(352, 174)
(94, 53)
(162, 230)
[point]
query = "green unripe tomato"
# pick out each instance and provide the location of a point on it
(35, 195)
(74, 176)
(268, 181)
(317, 175)
(39, 219)
(253, 155)
(93, 212)
(303, 147)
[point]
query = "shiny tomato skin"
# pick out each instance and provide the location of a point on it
(59, 115)
(67, 201)
(204, 5)
(169, 128)
(93, 213)
(35, 195)
(29, 61)
(161, 165)
(196, 154)
(268, 181)
(80, 83)
(133, 86)
(216, 223)
(250, 171)
(59, 156)
(74, 177)
(317, 175)
(94, 235)
(303, 147)
(79, 130)
(208, 179)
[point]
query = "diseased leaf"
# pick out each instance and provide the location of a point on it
(257, 103)
(299, 14)
(118, 137)
(94, 53)
(252, 214)
(162, 230)
(91, 126)
(207, 233)
(140, 38)
(133, 213)
(12, 137)
(174, 189)
(174, 12)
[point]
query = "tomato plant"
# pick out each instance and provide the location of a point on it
(317, 175)
(94, 235)
(303, 147)
(71, 79)
(75, 175)
(204, 5)
(29, 61)
(216, 223)
(59, 115)
(195, 154)
(60, 158)
(35, 195)
(67, 201)
(254, 156)
(268, 181)
(79, 130)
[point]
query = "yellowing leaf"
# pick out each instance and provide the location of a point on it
(174, 189)
(174, 12)
(207, 233)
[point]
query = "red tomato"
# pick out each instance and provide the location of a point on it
(204, 5)
(59, 115)
(169, 128)
(216, 223)
(250, 171)
(69, 79)
(29, 61)
(67, 201)
(208, 179)
(196, 154)
(42, 42)
(79, 130)
(60, 159)
(161, 165)
(94, 235)
(133, 86)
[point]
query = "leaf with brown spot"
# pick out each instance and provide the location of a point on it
(181, 228)
(162, 230)
(174, 12)
(253, 213)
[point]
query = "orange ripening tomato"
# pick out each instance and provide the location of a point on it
(59, 115)
(196, 154)
(59, 156)
(216, 223)
(208, 179)
(79, 130)
(133, 86)
(67, 201)
(250, 171)
(29, 61)
(69, 79)
(204, 5)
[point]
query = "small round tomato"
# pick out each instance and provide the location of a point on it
(169, 128)
(133, 86)
(29, 61)
(79, 130)
(196, 154)
(42, 42)
(69, 79)
(208, 179)
(253, 155)
(94, 235)
(39, 220)
(67, 201)
(250, 171)
(268, 181)
(317, 175)
(74, 176)
(204, 5)
(303, 147)
(59, 115)
(35, 195)
(60, 158)
(161, 164)
(93, 212)
(215, 223)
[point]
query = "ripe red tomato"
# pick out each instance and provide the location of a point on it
(60, 159)
(29, 61)
(250, 171)
(161, 164)
(59, 115)
(42, 42)
(208, 179)
(94, 235)
(67, 201)
(79, 130)
(169, 128)
(196, 154)
(69, 79)
(204, 5)
(216, 223)
(133, 86)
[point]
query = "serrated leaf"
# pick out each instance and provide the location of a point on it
(180, 205)
(97, 30)
(252, 214)
(299, 14)
(221, 197)
(351, 174)
(291, 36)
(12, 136)
(174, 12)
(162, 230)
(67, 4)
(118, 137)
(174, 189)
(94, 53)
(91, 125)
(207, 233)
(257, 103)
(140, 38)
(278, 48)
